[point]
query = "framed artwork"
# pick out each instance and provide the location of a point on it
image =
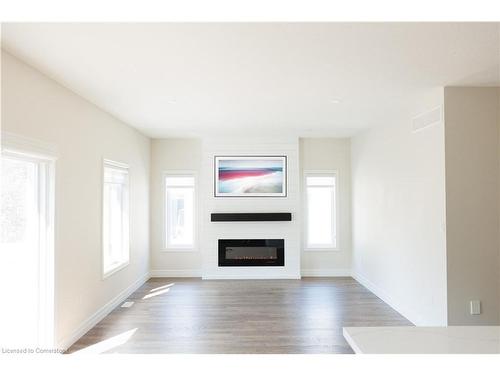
(250, 176)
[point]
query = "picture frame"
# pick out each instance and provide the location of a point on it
(250, 176)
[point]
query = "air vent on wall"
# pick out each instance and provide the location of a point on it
(427, 119)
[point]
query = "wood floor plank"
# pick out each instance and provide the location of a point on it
(185, 315)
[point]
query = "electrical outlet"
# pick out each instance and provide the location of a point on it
(475, 307)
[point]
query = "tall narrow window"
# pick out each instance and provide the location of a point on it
(115, 217)
(179, 211)
(321, 232)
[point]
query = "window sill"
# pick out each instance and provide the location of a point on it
(116, 268)
(321, 249)
(179, 250)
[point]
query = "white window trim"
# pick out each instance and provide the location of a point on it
(119, 265)
(321, 248)
(45, 155)
(179, 249)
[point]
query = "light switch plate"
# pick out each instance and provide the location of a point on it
(475, 307)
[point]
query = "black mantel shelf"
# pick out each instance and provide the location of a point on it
(252, 216)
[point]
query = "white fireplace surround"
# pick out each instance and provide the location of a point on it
(211, 232)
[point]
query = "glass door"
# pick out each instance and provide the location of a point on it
(26, 264)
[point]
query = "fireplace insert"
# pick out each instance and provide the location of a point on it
(251, 252)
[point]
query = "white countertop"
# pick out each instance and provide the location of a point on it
(424, 340)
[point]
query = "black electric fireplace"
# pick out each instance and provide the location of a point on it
(251, 252)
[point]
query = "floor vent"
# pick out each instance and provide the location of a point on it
(427, 119)
(127, 304)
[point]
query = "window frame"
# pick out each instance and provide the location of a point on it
(179, 248)
(335, 210)
(108, 163)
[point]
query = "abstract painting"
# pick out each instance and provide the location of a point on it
(250, 176)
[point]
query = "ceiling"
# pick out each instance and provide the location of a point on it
(304, 79)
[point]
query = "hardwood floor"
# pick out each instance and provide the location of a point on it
(239, 316)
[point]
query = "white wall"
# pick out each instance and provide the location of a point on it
(36, 107)
(197, 155)
(398, 208)
(329, 154)
(472, 203)
(181, 154)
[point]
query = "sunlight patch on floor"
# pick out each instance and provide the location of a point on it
(162, 287)
(107, 344)
(157, 293)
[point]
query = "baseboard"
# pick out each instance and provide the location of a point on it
(325, 272)
(351, 342)
(384, 296)
(101, 313)
(176, 273)
(251, 277)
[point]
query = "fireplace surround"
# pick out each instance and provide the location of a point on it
(251, 252)
(250, 218)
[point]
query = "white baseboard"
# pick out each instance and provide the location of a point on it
(95, 318)
(325, 272)
(176, 273)
(384, 296)
(250, 277)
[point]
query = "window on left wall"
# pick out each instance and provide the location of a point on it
(115, 217)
